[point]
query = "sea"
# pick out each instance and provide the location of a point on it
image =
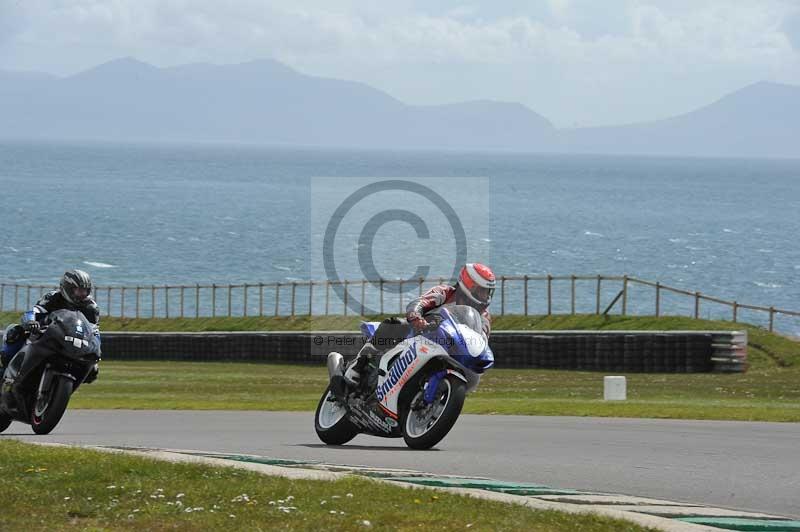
(141, 214)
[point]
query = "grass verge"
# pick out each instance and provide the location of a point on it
(769, 391)
(758, 395)
(75, 489)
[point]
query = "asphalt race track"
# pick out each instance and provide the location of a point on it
(746, 466)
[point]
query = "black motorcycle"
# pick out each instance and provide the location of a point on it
(39, 380)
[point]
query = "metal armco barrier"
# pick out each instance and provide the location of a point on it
(621, 351)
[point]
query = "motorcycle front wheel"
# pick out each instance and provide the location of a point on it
(425, 425)
(330, 421)
(50, 408)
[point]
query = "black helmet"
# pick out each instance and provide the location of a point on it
(76, 286)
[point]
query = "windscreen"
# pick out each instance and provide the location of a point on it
(466, 315)
(72, 332)
(463, 337)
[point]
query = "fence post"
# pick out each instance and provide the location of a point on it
(260, 299)
(108, 300)
(597, 295)
(230, 300)
(771, 318)
(525, 294)
(213, 300)
(122, 304)
(549, 294)
(363, 295)
(697, 305)
(735, 311)
(625, 295)
(345, 297)
(294, 290)
(502, 295)
(27, 297)
(381, 289)
(310, 298)
(327, 295)
(166, 300)
(658, 299)
(400, 292)
(182, 293)
(421, 281)
(197, 300)
(572, 301)
(137, 301)
(277, 298)
(2, 296)
(244, 310)
(16, 297)
(152, 301)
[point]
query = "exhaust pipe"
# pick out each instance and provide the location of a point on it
(335, 364)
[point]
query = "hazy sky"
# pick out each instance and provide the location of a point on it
(580, 62)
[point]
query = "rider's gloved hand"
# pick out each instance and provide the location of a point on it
(31, 326)
(417, 322)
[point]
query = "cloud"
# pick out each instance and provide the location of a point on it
(12, 19)
(719, 31)
(791, 27)
(561, 41)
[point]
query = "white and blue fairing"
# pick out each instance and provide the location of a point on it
(461, 334)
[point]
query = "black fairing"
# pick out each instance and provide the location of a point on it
(67, 345)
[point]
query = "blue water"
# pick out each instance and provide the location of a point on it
(139, 214)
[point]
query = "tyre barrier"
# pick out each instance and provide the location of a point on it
(617, 351)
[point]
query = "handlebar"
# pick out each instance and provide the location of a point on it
(434, 320)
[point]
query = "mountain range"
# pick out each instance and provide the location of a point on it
(267, 102)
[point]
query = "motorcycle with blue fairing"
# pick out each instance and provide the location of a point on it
(37, 384)
(415, 390)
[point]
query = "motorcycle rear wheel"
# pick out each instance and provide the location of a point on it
(330, 421)
(425, 427)
(46, 414)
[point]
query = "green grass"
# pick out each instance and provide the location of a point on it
(762, 394)
(769, 391)
(47, 488)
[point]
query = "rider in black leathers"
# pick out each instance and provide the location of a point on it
(73, 294)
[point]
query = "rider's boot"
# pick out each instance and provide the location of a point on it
(353, 374)
(6, 354)
(92, 375)
(10, 343)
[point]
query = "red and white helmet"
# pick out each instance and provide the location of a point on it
(476, 285)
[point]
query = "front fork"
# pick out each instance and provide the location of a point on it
(432, 385)
(47, 381)
(44, 383)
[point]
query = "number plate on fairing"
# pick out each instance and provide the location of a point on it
(370, 418)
